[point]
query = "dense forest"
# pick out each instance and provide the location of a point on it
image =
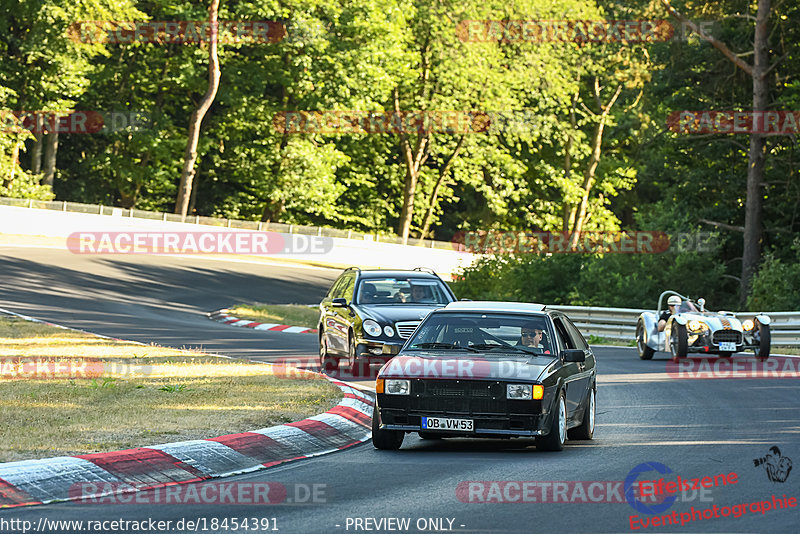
(565, 131)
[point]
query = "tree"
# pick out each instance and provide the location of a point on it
(190, 157)
(752, 234)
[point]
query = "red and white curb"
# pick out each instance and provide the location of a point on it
(54, 479)
(50, 480)
(223, 317)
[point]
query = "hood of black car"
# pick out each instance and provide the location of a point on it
(467, 366)
(393, 313)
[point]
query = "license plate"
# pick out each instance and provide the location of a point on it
(727, 346)
(443, 423)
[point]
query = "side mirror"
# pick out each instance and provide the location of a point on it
(702, 303)
(339, 303)
(574, 355)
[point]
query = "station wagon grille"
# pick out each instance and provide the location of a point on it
(727, 336)
(406, 328)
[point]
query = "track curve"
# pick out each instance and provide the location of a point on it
(695, 427)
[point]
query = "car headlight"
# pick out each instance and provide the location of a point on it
(748, 325)
(388, 330)
(372, 328)
(397, 387)
(519, 391)
(697, 326)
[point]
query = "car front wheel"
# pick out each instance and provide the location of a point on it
(554, 441)
(678, 342)
(387, 440)
(762, 351)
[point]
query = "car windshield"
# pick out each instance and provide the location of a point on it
(687, 306)
(402, 291)
(489, 333)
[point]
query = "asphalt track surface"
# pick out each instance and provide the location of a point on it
(697, 428)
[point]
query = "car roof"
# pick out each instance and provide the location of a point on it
(494, 306)
(385, 273)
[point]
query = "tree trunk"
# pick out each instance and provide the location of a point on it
(569, 211)
(50, 151)
(756, 157)
(426, 222)
(13, 168)
(413, 159)
(190, 157)
(36, 151)
(594, 161)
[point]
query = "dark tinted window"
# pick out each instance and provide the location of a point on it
(575, 334)
(563, 336)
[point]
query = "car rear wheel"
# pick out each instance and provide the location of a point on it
(645, 352)
(678, 342)
(387, 440)
(762, 351)
(327, 363)
(586, 430)
(554, 441)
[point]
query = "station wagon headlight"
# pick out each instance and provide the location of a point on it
(697, 326)
(388, 331)
(748, 325)
(519, 391)
(372, 328)
(397, 387)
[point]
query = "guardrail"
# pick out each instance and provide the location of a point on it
(100, 209)
(620, 323)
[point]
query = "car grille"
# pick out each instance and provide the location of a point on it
(727, 336)
(406, 328)
(458, 397)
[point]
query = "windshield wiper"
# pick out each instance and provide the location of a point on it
(520, 349)
(437, 345)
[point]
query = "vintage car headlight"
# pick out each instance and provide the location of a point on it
(388, 330)
(372, 328)
(697, 326)
(397, 387)
(748, 325)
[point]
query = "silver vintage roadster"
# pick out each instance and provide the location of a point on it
(693, 329)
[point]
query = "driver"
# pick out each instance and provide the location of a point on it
(531, 336)
(672, 304)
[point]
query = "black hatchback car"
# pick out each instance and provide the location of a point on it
(368, 314)
(489, 369)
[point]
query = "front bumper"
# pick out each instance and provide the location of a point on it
(480, 432)
(376, 350)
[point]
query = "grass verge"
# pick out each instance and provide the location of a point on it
(291, 314)
(132, 395)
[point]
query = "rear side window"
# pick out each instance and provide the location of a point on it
(575, 334)
(564, 338)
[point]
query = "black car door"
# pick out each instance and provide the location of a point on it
(572, 371)
(583, 379)
(341, 319)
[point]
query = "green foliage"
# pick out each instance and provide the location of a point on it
(775, 286)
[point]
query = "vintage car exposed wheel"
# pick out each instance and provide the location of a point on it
(327, 363)
(762, 351)
(645, 352)
(586, 429)
(388, 440)
(554, 441)
(678, 342)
